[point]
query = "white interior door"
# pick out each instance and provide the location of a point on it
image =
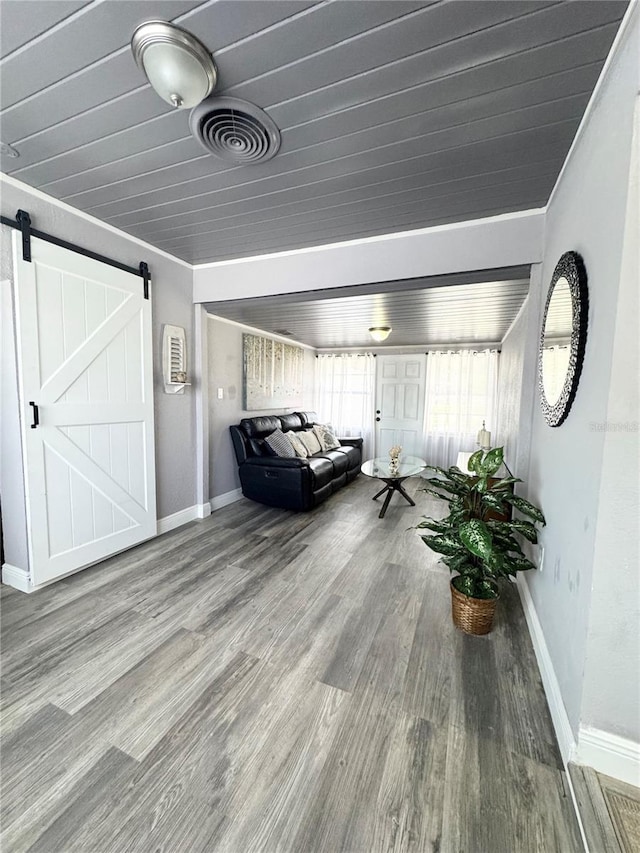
(400, 403)
(85, 361)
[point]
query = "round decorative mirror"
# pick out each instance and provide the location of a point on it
(563, 338)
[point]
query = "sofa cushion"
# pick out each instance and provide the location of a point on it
(321, 471)
(339, 482)
(326, 436)
(290, 422)
(298, 447)
(310, 441)
(353, 455)
(259, 427)
(279, 442)
(340, 461)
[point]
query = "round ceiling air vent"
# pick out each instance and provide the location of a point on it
(234, 130)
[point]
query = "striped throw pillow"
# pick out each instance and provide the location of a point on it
(279, 442)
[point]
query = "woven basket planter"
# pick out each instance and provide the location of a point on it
(472, 615)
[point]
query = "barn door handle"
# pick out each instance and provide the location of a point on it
(36, 414)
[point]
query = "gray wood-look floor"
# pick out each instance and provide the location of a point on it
(271, 681)
(609, 811)
(596, 820)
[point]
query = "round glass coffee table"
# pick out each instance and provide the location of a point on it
(380, 469)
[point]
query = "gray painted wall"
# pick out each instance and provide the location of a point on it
(225, 371)
(501, 241)
(611, 698)
(171, 303)
(569, 473)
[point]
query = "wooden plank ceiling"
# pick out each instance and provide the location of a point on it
(441, 311)
(394, 114)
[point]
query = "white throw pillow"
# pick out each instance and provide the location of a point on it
(310, 441)
(326, 436)
(298, 446)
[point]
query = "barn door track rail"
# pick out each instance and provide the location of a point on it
(22, 223)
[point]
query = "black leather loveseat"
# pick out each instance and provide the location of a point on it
(295, 483)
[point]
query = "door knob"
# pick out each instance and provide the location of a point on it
(377, 419)
(377, 411)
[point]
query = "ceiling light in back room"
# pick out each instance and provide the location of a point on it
(178, 66)
(380, 333)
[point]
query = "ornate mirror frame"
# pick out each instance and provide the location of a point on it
(571, 267)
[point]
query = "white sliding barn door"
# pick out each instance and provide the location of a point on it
(85, 360)
(400, 403)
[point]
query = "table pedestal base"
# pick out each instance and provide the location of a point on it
(392, 485)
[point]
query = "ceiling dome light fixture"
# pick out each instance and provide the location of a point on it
(177, 64)
(380, 333)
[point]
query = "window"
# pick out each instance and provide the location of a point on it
(461, 393)
(345, 394)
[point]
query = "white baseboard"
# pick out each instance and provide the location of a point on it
(559, 716)
(224, 500)
(177, 519)
(17, 578)
(561, 724)
(203, 510)
(609, 754)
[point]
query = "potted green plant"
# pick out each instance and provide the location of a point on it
(477, 539)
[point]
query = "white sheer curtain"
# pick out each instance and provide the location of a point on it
(461, 392)
(345, 395)
(555, 363)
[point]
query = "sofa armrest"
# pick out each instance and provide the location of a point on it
(275, 462)
(352, 442)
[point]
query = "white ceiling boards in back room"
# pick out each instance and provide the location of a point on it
(394, 114)
(437, 311)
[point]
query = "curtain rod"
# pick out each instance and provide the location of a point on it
(458, 351)
(343, 354)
